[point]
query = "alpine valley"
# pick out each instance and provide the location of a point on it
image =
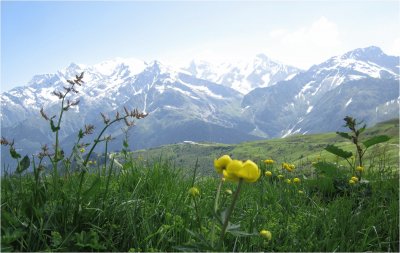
(225, 103)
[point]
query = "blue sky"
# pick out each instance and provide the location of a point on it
(43, 37)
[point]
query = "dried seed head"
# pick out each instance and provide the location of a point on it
(43, 114)
(44, 152)
(73, 89)
(88, 129)
(58, 94)
(105, 118)
(67, 89)
(76, 102)
(129, 123)
(126, 111)
(4, 141)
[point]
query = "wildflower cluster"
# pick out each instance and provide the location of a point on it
(287, 166)
(194, 192)
(360, 169)
(234, 170)
(266, 234)
(353, 180)
(269, 161)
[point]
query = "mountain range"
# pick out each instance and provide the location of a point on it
(226, 103)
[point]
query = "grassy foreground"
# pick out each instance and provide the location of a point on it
(146, 207)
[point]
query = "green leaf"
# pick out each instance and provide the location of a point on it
(126, 144)
(344, 135)
(362, 129)
(14, 154)
(338, 151)
(80, 134)
(327, 169)
(53, 127)
(375, 140)
(23, 164)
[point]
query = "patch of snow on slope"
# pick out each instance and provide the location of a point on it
(348, 102)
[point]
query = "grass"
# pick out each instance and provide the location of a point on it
(146, 207)
(299, 149)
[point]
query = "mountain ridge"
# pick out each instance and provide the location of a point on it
(177, 99)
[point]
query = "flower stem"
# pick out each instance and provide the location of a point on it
(216, 203)
(229, 212)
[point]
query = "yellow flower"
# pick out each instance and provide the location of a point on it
(360, 168)
(248, 171)
(355, 179)
(221, 163)
(266, 234)
(269, 161)
(194, 191)
(82, 150)
(288, 181)
(351, 182)
(288, 167)
(229, 192)
(296, 180)
(281, 177)
(300, 192)
(268, 173)
(230, 172)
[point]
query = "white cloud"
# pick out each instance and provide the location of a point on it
(300, 47)
(307, 45)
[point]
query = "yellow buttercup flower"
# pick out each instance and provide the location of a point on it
(230, 172)
(194, 192)
(221, 163)
(355, 179)
(288, 167)
(296, 180)
(360, 168)
(248, 171)
(269, 161)
(281, 177)
(288, 181)
(82, 150)
(268, 173)
(351, 182)
(266, 234)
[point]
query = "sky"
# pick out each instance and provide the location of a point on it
(43, 37)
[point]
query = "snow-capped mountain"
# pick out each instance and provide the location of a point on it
(206, 102)
(244, 75)
(356, 83)
(177, 103)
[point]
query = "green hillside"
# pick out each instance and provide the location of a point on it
(298, 149)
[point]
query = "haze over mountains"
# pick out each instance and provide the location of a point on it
(228, 103)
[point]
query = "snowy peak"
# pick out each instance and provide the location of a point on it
(244, 75)
(357, 64)
(364, 54)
